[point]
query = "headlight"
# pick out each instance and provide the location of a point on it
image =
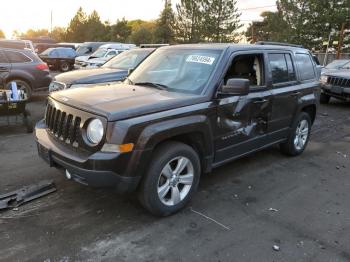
(324, 79)
(94, 131)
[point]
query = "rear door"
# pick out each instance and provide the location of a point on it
(285, 92)
(5, 68)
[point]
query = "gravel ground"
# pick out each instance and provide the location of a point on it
(242, 211)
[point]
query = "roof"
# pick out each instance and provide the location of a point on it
(223, 46)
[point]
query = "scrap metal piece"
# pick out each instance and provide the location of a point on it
(28, 193)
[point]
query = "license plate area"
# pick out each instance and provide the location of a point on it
(337, 90)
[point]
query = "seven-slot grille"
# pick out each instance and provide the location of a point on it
(64, 126)
(338, 81)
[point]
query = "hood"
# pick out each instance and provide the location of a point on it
(344, 73)
(82, 58)
(121, 101)
(92, 76)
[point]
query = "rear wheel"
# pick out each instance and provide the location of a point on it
(171, 179)
(21, 85)
(64, 66)
(299, 136)
(324, 99)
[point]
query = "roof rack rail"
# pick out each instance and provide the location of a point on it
(277, 43)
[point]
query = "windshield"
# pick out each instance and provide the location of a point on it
(337, 64)
(83, 50)
(47, 51)
(347, 65)
(181, 70)
(99, 53)
(127, 60)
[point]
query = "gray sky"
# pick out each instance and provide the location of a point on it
(21, 15)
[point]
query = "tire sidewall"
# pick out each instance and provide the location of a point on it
(302, 116)
(62, 64)
(149, 193)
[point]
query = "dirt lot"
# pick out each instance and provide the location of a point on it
(228, 220)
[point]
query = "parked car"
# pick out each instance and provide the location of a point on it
(26, 69)
(60, 58)
(101, 55)
(336, 83)
(113, 71)
(17, 44)
(85, 50)
(184, 110)
(41, 47)
(337, 64)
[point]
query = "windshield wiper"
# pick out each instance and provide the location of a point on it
(155, 85)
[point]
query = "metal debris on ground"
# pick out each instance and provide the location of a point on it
(28, 193)
(276, 248)
(211, 219)
(273, 209)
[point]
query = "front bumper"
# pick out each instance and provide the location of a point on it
(98, 169)
(336, 91)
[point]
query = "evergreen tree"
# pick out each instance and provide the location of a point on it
(95, 30)
(120, 31)
(189, 21)
(221, 20)
(77, 26)
(165, 24)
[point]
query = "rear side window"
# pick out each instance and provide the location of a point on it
(17, 57)
(305, 66)
(282, 68)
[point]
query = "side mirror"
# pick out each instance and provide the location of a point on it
(236, 86)
(130, 71)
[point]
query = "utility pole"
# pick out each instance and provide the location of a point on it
(51, 23)
(341, 38)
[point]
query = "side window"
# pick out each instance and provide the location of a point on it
(250, 66)
(17, 57)
(305, 66)
(279, 69)
(291, 70)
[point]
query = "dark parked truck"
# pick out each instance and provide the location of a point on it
(185, 110)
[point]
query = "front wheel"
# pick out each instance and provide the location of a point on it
(299, 136)
(171, 179)
(64, 66)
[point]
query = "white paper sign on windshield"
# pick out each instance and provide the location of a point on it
(200, 59)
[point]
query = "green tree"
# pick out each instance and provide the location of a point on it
(164, 31)
(95, 30)
(189, 21)
(120, 31)
(221, 21)
(59, 34)
(77, 26)
(2, 34)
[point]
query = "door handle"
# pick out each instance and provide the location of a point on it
(260, 101)
(295, 94)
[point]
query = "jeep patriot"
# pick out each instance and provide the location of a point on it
(185, 110)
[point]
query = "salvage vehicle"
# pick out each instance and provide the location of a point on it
(335, 65)
(17, 44)
(185, 110)
(101, 55)
(25, 68)
(115, 70)
(336, 84)
(59, 58)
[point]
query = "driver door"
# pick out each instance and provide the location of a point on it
(242, 121)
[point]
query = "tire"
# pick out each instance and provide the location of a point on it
(28, 121)
(324, 99)
(64, 66)
(21, 85)
(299, 136)
(162, 192)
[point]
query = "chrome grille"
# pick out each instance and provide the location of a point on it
(62, 125)
(338, 81)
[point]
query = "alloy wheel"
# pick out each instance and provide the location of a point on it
(301, 134)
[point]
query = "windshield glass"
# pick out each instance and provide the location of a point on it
(127, 60)
(99, 53)
(47, 51)
(181, 70)
(83, 50)
(347, 65)
(336, 64)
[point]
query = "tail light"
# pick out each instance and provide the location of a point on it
(42, 66)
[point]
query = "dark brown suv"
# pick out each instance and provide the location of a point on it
(185, 110)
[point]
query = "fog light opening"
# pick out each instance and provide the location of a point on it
(68, 175)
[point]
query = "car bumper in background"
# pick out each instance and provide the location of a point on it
(337, 91)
